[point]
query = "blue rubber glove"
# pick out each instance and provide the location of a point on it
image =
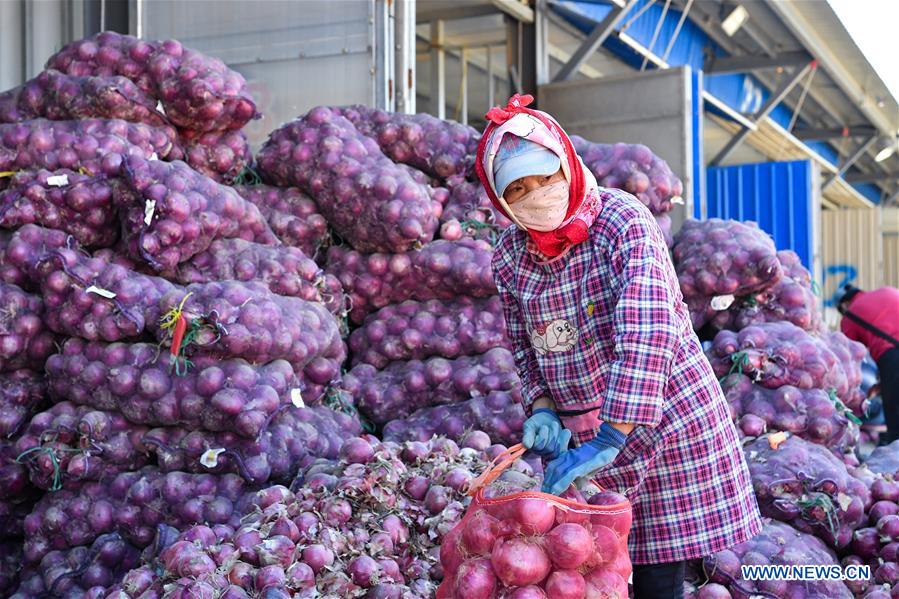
(584, 460)
(545, 435)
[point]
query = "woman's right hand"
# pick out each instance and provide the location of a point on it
(545, 435)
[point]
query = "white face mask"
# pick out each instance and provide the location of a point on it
(542, 209)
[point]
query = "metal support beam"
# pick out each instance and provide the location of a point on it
(844, 165)
(384, 63)
(599, 34)
(541, 42)
(870, 177)
(515, 9)
(775, 99)
(449, 13)
(709, 24)
(835, 132)
(743, 64)
(521, 43)
(490, 102)
(405, 56)
(438, 70)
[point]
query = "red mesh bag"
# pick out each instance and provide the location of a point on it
(531, 544)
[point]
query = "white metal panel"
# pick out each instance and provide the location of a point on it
(31, 31)
(12, 66)
(294, 55)
(651, 108)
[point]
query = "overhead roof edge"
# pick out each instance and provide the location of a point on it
(804, 19)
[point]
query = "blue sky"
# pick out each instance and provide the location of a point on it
(874, 26)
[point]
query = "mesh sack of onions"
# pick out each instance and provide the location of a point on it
(108, 54)
(850, 355)
(171, 213)
(220, 155)
(22, 392)
(200, 92)
(133, 504)
(514, 541)
(418, 330)
(294, 438)
(10, 563)
(86, 571)
(717, 261)
(17, 495)
(25, 340)
(197, 91)
(97, 300)
(291, 214)
(373, 204)
(68, 444)
(59, 97)
(439, 147)
(367, 525)
(96, 145)
(805, 485)
(212, 394)
(439, 270)
(22, 251)
(469, 213)
(498, 414)
(775, 354)
(284, 270)
(633, 168)
(404, 387)
(791, 299)
(812, 414)
(231, 319)
(65, 200)
(777, 543)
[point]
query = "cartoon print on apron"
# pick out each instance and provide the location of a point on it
(557, 336)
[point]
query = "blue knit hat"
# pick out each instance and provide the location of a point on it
(518, 157)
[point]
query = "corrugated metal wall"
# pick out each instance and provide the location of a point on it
(891, 259)
(890, 227)
(782, 197)
(852, 249)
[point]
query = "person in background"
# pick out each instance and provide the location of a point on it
(614, 382)
(872, 319)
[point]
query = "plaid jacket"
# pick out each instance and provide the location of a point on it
(605, 333)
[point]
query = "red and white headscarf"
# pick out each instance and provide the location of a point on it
(541, 128)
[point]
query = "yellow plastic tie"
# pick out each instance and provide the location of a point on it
(171, 318)
(7, 173)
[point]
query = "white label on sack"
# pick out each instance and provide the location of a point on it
(677, 200)
(210, 457)
(296, 398)
(149, 209)
(100, 291)
(844, 501)
(160, 107)
(58, 180)
(722, 302)
(154, 156)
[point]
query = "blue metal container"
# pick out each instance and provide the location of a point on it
(779, 196)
